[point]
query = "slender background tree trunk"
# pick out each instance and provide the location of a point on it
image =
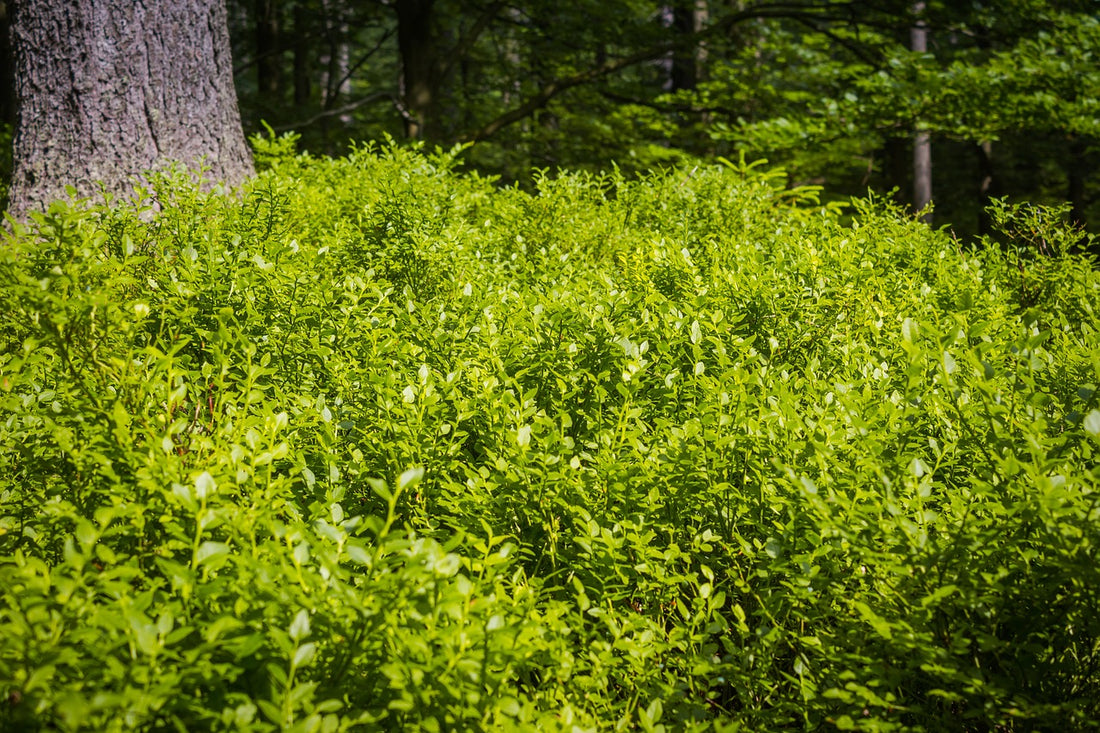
(335, 82)
(986, 186)
(897, 164)
(1076, 172)
(688, 17)
(302, 57)
(418, 59)
(922, 140)
(107, 89)
(269, 64)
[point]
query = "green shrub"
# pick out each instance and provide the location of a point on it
(377, 445)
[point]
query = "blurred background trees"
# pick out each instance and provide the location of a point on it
(1005, 91)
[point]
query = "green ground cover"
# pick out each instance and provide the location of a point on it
(376, 445)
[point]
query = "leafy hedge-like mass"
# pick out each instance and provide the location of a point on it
(377, 445)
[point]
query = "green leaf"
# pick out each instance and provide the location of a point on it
(879, 624)
(410, 478)
(299, 627)
(303, 655)
(1092, 423)
(209, 550)
(145, 637)
(205, 485)
(909, 330)
(358, 554)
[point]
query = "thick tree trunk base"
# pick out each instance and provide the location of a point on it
(109, 89)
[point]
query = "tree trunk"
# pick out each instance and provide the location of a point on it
(302, 49)
(986, 187)
(1076, 171)
(922, 140)
(922, 173)
(107, 89)
(334, 62)
(688, 18)
(418, 59)
(896, 166)
(269, 67)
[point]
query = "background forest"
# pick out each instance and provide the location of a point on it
(1007, 91)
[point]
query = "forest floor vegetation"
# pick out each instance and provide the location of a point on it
(378, 445)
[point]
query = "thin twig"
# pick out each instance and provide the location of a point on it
(338, 111)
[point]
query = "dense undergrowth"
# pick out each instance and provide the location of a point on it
(378, 445)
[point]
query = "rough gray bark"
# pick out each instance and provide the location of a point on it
(107, 89)
(7, 88)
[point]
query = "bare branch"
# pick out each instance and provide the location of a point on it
(366, 57)
(338, 111)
